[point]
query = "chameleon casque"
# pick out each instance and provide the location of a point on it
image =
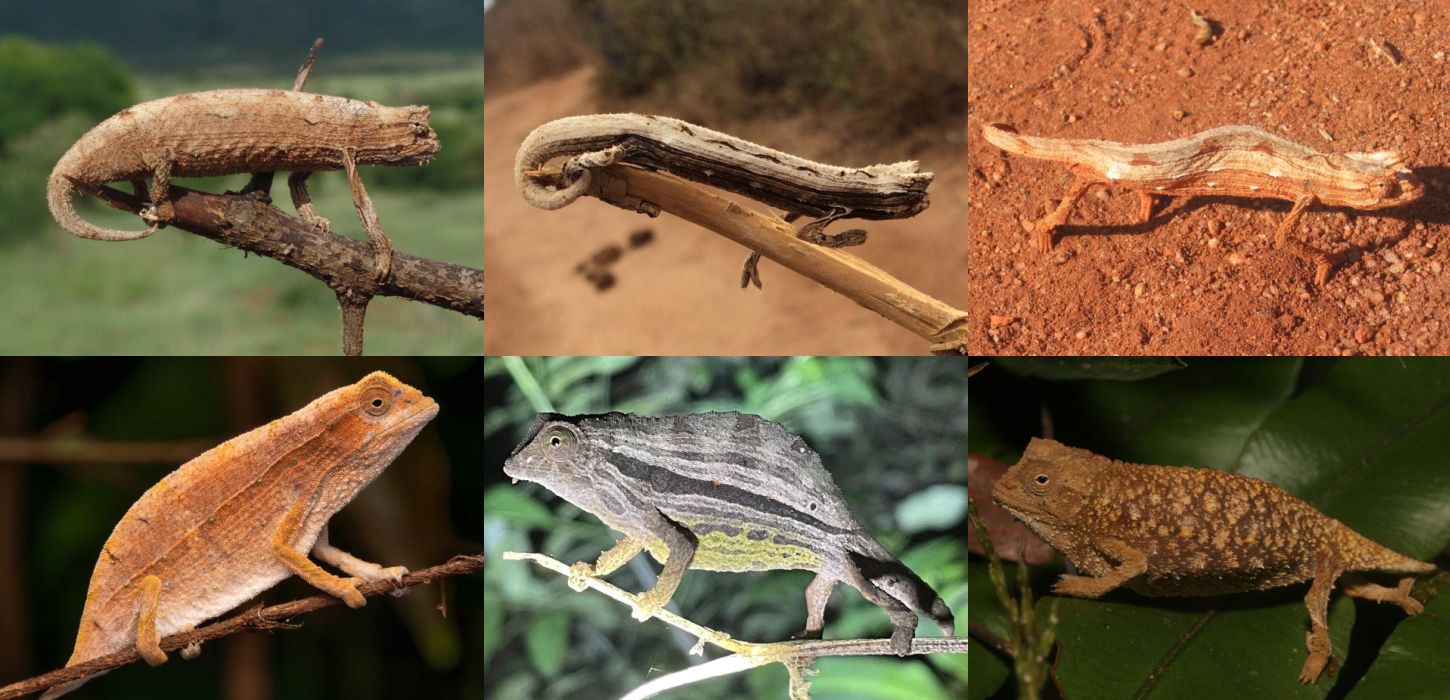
(720, 492)
(242, 517)
(1180, 531)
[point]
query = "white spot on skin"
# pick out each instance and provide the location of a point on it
(1210, 184)
(1276, 173)
(1254, 187)
(1116, 171)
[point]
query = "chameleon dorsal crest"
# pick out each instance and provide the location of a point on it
(243, 516)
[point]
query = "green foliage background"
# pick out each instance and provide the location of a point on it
(889, 430)
(174, 293)
(1364, 440)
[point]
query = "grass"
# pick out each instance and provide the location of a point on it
(175, 293)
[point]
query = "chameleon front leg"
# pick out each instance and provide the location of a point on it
(297, 185)
(814, 232)
(1042, 231)
(260, 183)
(1131, 562)
(1325, 261)
(369, 216)
(365, 570)
(817, 595)
(344, 588)
(148, 641)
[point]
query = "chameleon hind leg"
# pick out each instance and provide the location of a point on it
(1356, 586)
(159, 211)
(148, 641)
(382, 247)
(1324, 261)
(297, 185)
(282, 548)
(814, 232)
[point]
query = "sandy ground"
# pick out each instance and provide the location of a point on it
(680, 293)
(1203, 276)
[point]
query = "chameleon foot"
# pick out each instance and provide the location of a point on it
(577, 575)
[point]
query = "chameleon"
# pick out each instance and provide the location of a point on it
(719, 492)
(224, 132)
(1239, 161)
(1180, 531)
(241, 517)
(801, 187)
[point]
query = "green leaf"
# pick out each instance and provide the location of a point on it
(1365, 443)
(546, 640)
(870, 678)
(516, 507)
(934, 508)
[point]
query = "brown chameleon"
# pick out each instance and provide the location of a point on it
(1180, 531)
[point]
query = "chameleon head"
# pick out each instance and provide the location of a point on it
(390, 414)
(402, 137)
(1376, 181)
(552, 455)
(1045, 489)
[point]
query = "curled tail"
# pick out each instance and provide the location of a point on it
(60, 192)
(890, 575)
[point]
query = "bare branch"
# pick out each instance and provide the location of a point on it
(260, 618)
(645, 191)
(346, 265)
(306, 68)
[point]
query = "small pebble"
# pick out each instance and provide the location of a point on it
(1000, 321)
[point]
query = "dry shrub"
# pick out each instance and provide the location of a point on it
(900, 67)
(529, 40)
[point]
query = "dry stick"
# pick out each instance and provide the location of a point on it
(637, 189)
(256, 618)
(344, 264)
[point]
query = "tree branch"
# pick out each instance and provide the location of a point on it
(637, 189)
(258, 617)
(347, 266)
(796, 655)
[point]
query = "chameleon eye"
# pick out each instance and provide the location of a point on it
(560, 443)
(1042, 480)
(377, 401)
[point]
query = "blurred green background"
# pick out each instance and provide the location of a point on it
(56, 512)
(1364, 440)
(890, 431)
(66, 67)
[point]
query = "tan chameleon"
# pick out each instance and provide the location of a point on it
(1179, 531)
(242, 517)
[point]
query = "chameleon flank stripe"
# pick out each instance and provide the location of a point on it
(721, 492)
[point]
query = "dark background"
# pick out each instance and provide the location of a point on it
(56, 513)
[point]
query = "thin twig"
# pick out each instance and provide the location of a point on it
(306, 68)
(795, 655)
(260, 618)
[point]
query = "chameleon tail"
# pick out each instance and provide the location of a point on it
(899, 582)
(60, 192)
